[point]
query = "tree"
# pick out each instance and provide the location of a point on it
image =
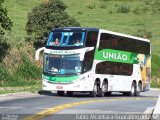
(50, 14)
(5, 24)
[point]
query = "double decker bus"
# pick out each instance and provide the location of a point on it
(96, 61)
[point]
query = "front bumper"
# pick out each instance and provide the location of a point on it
(74, 86)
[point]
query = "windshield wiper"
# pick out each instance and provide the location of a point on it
(52, 72)
(72, 73)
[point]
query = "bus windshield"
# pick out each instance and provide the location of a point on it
(66, 39)
(62, 64)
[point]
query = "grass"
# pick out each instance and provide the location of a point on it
(155, 66)
(19, 70)
(155, 71)
(18, 11)
(26, 73)
(31, 88)
(155, 82)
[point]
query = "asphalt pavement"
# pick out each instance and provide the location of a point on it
(80, 106)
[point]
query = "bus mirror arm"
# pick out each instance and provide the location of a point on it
(89, 49)
(38, 52)
(84, 51)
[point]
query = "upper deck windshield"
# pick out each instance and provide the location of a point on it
(62, 64)
(66, 39)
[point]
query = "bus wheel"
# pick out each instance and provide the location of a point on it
(108, 93)
(69, 93)
(95, 91)
(126, 93)
(60, 93)
(102, 90)
(133, 90)
(140, 86)
(138, 90)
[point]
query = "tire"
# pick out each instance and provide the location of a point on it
(133, 90)
(108, 93)
(69, 93)
(60, 93)
(103, 89)
(138, 90)
(140, 85)
(144, 88)
(95, 91)
(126, 93)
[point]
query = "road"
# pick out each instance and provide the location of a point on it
(51, 106)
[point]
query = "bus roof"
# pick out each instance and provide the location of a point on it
(75, 29)
(125, 35)
(97, 29)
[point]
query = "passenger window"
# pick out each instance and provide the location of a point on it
(114, 68)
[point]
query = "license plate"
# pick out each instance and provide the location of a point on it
(59, 87)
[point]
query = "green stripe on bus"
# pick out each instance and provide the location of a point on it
(60, 79)
(116, 56)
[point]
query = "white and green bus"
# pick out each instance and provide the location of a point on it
(96, 61)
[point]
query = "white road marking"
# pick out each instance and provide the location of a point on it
(156, 111)
(149, 110)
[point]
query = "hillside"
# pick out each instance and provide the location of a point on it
(18, 11)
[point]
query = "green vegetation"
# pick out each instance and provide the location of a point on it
(24, 74)
(27, 70)
(5, 24)
(155, 65)
(17, 66)
(18, 11)
(32, 89)
(123, 9)
(50, 15)
(156, 71)
(135, 17)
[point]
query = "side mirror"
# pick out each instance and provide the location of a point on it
(87, 49)
(38, 52)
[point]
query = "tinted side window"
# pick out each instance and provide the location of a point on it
(91, 39)
(114, 68)
(88, 61)
(122, 43)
